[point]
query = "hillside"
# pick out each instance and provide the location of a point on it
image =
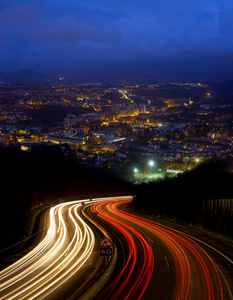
(37, 178)
(182, 197)
(26, 77)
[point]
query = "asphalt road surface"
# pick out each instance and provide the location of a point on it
(159, 262)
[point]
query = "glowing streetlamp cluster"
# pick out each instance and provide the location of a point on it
(151, 164)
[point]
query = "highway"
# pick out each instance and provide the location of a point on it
(64, 256)
(153, 261)
(159, 262)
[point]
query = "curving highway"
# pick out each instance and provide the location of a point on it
(153, 261)
(160, 262)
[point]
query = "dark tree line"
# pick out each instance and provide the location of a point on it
(183, 196)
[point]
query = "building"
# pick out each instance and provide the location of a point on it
(217, 135)
(66, 137)
(70, 121)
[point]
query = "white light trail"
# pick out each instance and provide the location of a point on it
(68, 244)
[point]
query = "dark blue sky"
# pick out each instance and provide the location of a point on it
(137, 39)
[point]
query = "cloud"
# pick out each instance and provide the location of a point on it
(225, 21)
(20, 14)
(37, 23)
(69, 33)
(68, 29)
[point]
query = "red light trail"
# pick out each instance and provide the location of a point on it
(195, 275)
(139, 284)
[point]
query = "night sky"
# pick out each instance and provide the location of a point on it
(120, 39)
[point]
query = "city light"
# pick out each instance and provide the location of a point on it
(151, 163)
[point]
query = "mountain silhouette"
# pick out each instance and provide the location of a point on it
(26, 76)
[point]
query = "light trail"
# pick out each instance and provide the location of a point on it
(68, 244)
(129, 285)
(195, 275)
(124, 95)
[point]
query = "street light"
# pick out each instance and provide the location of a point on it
(135, 170)
(151, 164)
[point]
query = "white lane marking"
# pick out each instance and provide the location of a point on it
(167, 261)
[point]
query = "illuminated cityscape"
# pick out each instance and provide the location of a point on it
(112, 126)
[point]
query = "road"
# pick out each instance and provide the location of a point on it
(159, 262)
(64, 257)
(153, 261)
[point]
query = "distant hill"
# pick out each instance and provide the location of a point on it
(26, 76)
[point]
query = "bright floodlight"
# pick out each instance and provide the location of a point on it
(151, 163)
(135, 170)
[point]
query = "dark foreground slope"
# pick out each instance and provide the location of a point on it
(38, 178)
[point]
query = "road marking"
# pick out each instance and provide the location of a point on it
(212, 248)
(150, 240)
(217, 251)
(167, 261)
